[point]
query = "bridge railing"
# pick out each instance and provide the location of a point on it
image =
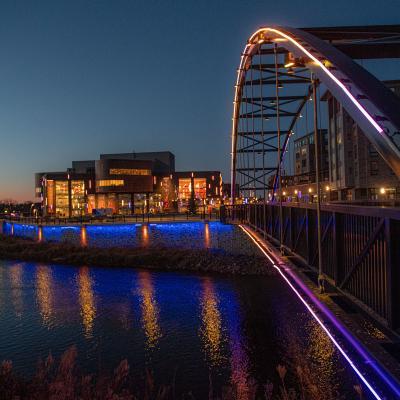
(360, 248)
(129, 218)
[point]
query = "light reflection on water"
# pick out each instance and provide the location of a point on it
(86, 300)
(45, 293)
(149, 309)
(15, 274)
(84, 241)
(207, 237)
(211, 329)
(235, 330)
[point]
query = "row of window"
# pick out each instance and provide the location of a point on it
(110, 182)
(129, 171)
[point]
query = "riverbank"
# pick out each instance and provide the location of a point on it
(198, 260)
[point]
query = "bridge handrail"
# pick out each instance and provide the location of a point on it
(129, 218)
(360, 248)
(353, 209)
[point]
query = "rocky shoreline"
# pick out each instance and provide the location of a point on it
(172, 259)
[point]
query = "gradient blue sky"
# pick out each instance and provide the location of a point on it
(78, 78)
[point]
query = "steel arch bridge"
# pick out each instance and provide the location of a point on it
(281, 69)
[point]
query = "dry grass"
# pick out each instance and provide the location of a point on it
(61, 380)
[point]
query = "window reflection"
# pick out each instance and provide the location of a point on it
(2, 285)
(207, 239)
(239, 359)
(145, 235)
(15, 275)
(83, 236)
(44, 293)
(86, 300)
(40, 234)
(150, 312)
(211, 330)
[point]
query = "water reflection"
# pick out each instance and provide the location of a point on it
(235, 329)
(239, 360)
(44, 293)
(150, 312)
(318, 366)
(40, 234)
(2, 286)
(86, 300)
(211, 329)
(83, 236)
(145, 235)
(322, 354)
(123, 312)
(15, 274)
(207, 240)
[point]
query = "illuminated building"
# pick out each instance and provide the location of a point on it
(304, 157)
(126, 183)
(206, 186)
(357, 171)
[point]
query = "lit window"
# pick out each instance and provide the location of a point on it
(129, 171)
(110, 182)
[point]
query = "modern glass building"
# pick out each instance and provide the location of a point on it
(126, 183)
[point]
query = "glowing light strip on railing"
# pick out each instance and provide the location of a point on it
(329, 73)
(318, 62)
(312, 312)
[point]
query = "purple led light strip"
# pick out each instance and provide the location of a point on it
(367, 359)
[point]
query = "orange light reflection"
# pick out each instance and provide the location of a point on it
(86, 300)
(83, 236)
(211, 329)
(15, 274)
(44, 293)
(145, 235)
(150, 312)
(207, 239)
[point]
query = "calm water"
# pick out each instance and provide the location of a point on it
(236, 329)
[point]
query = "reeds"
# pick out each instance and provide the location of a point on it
(62, 380)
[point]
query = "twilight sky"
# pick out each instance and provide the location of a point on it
(78, 78)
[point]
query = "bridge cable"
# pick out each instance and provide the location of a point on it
(278, 126)
(321, 279)
(263, 143)
(247, 137)
(254, 142)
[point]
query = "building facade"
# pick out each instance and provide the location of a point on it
(304, 157)
(127, 183)
(356, 170)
